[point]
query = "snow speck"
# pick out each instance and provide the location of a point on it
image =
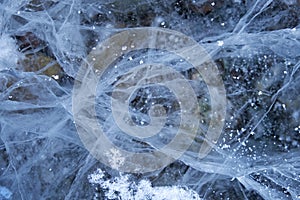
(220, 43)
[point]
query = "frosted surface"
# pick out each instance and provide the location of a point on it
(255, 46)
(124, 188)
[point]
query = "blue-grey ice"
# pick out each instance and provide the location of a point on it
(255, 45)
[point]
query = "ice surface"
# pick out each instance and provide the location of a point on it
(256, 47)
(5, 193)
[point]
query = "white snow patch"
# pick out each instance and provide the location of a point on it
(9, 54)
(122, 188)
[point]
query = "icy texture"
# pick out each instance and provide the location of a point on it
(255, 44)
(5, 193)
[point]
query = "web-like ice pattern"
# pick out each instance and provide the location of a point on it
(255, 44)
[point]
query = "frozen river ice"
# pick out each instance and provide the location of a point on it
(195, 99)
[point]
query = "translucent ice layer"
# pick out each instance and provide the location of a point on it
(255, 46)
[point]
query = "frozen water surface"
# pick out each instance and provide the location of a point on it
(255, 46)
